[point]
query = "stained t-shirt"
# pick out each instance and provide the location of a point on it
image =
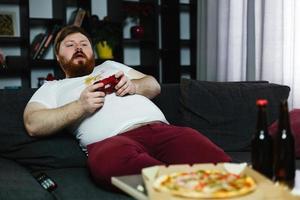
(116, 115)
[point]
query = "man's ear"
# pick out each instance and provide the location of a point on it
(57, 58)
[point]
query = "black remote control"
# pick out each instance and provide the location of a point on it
(46, 182)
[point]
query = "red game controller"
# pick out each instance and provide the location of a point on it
(109, 84)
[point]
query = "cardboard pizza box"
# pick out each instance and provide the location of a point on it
(265, 189)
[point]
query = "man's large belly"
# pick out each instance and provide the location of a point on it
(119, 114)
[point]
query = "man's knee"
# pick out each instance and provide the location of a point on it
(116, 157)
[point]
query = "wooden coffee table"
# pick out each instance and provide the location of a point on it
(134, 186)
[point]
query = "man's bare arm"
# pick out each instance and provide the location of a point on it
(139, 84)
(147, 86)
(41, 121)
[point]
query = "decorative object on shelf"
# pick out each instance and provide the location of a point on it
(81, 17)
(104, 51)
(77, 17)
(42, 42)
(137, 32)
(136, 12)
(106, 36)
(36, 44)
(49, 77)
(2, 60)
(8, 27)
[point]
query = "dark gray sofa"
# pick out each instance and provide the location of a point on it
(225, 112)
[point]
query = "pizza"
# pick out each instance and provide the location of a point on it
(205, 184)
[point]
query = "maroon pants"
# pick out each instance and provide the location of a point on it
(153, 144)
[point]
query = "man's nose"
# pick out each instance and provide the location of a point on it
(78, 47)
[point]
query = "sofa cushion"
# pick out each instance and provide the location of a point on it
(295, 128)
(36, 153)
(225, 111)
(76, 183)
(17, 183)
(168, 102)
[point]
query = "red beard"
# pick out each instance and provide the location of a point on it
(83, 67)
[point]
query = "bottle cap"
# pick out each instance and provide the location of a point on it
(261, 102)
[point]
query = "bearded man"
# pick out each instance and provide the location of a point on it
(121, 132)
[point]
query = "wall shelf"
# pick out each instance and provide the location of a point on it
(14, 65)
(45, 22)
(12, 41)
(10, 2)
(161, 62)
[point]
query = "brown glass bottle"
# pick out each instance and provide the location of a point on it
(284, 156)
(262, 143)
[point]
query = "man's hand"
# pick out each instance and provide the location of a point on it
(138, 83)
(125, 85)
(91, 99)
(41, 121)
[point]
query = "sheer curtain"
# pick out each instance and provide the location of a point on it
(241, 40)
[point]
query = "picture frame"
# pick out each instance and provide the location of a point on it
(8, 24)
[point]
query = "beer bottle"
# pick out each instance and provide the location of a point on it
(262, 143)
(284, 157)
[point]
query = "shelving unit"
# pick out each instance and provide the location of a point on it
(22, 65)
(172, 44)
(159, 50)
(163, 59)
(147, 46)
(20, 41)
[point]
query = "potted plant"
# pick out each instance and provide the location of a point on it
(106, 37)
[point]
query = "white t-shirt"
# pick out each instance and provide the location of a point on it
(117, 113)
